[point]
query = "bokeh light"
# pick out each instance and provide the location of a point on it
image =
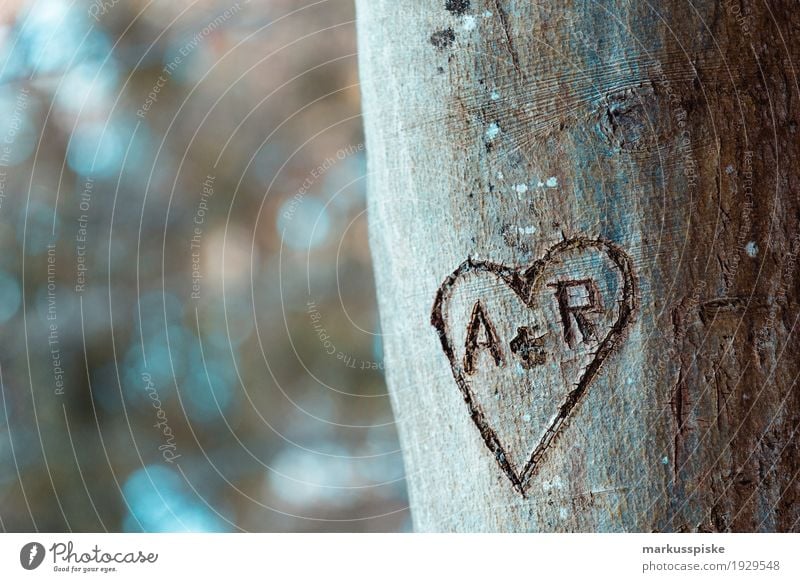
(165, 225)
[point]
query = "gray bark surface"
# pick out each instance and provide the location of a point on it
(584, 223)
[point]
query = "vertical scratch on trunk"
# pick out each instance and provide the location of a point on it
(507, 30)
(678, 396)
(679, 392)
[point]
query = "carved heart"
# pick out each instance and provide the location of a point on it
(515, 338)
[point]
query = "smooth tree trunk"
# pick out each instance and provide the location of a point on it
(584, 223)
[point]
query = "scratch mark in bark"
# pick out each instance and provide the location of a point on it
(679, 390)
(605, 491)
(679, 394)
(507, 31)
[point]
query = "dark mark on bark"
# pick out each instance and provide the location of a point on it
(525, 283)
(457, 7)
(511, 235)
(442, 39)
(624, 119)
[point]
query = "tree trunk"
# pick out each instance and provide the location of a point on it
(584, 221)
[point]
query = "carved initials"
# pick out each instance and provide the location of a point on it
(576, 298)
(479, 321)
(554, 379)
(577, 307)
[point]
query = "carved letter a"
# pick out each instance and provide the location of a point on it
(479, 321)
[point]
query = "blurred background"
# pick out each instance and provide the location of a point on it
(188, 329)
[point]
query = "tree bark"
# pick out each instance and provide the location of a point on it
(584, 223)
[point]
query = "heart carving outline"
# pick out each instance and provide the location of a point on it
(525, 284)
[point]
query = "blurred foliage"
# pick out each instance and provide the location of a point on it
(187, 317)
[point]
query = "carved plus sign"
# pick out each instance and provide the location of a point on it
(528, 347)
